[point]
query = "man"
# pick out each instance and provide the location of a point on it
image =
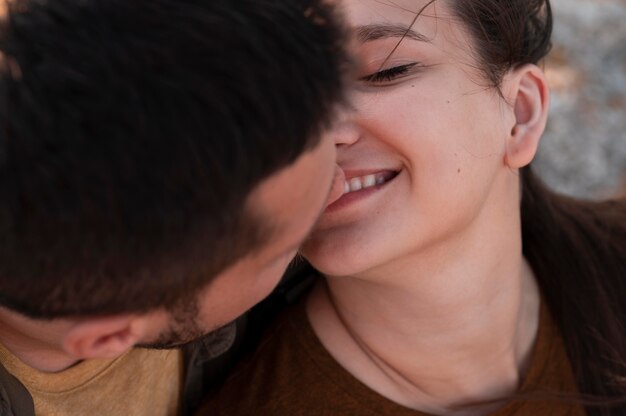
(160, 163)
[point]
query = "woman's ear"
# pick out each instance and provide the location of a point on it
(527, 87)
(105, 337)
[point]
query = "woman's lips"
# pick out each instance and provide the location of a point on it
(360, 184)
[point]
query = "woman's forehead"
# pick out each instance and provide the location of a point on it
(424, 18)
(399, 11)
(412, 21)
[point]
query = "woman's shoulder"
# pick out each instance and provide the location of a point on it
(581, 236)
(282, 375)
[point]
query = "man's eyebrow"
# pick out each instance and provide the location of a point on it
(367, 33)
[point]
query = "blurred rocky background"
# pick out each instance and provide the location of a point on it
(583, 152)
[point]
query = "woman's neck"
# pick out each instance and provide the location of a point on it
(434, 334)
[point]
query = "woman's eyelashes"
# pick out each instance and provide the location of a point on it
(387, 75)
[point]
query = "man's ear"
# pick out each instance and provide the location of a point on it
(105, 337)
(527, 87)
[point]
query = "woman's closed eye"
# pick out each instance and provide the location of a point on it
(387, 75)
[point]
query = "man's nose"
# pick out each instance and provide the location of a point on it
(337, 187)
(343, 133)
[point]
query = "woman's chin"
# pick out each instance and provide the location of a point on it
(333, 263)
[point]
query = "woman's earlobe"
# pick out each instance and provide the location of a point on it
(530, 107)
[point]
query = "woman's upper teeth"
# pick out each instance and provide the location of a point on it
(363, 182)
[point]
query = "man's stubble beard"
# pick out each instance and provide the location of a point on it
(185, 328)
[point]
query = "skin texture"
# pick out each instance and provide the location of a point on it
(428, 299)
(425, 126)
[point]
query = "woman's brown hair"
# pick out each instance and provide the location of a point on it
(576, 248)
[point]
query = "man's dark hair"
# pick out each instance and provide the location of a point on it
(131, 133)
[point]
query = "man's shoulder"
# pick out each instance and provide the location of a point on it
(206, 373)
(14, 398)
(280, 365)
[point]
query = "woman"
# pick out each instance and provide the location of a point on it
(455, 283)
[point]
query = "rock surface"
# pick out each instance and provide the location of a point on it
(583, 152)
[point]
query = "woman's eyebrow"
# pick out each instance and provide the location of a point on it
(367, 33)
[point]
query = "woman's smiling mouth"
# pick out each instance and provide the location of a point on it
(361, 184)
(357, 183)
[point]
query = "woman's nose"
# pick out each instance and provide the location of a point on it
(344, 130)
